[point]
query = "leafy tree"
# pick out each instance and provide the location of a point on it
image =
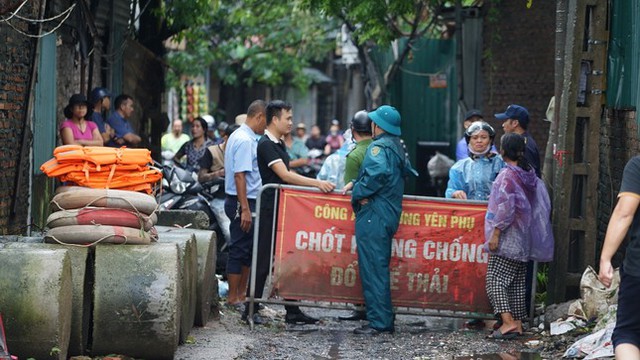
(379, 23)
(255, 41)
(161, 19)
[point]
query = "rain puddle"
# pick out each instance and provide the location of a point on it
(503, 356)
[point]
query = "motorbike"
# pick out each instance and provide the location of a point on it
(316, 158)
(182, 191)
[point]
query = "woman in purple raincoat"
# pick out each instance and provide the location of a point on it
(517, 229)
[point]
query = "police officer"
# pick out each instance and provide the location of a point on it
(377, 202)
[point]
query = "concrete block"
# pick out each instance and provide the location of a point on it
(36, 301)
(206, 285)
(81, 294)
(171, 218)
(188, 258)
(136, 300)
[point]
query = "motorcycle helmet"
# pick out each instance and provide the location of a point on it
(361, 122)
(223, 126)
(211, 122)
(477, 126)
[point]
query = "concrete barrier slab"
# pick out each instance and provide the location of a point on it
(188, 257)
(35, 298)
(136, 300)
(81, 297)
(207, 283)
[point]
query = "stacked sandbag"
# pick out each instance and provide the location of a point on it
(90, 216)
(101, 167)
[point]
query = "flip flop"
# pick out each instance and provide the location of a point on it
(497, 335)
(239, 307)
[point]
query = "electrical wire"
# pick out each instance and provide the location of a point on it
(419, 73)
(15, 12)
(40, 35)
(46, 20)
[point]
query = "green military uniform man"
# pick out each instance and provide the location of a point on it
(361, 132)
(377, 202)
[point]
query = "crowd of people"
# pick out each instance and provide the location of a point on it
(85, 125)
(261, 148)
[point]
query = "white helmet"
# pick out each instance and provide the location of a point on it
(211, 122)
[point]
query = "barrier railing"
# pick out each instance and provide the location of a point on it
(438, 267)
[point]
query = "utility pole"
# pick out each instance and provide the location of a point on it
(579, 102)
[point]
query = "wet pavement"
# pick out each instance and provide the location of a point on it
(416, 338)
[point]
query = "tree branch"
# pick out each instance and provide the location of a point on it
(405, 19)
(393, 68)
(394, 26)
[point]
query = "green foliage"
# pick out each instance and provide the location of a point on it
(542, 277)
(183, 14)
(378, 23)
(254, 41)
(382, 21)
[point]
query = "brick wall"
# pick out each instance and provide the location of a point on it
(68, 72)
(69, 62)
(518, 66)
(618, 144)
(16, 57)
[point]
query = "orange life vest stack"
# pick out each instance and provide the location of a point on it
(103, 167)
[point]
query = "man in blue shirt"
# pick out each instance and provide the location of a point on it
(242, 183)
(123, 132)
(101, 100)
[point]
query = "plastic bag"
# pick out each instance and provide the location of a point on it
(439, 165)
(594, 346)
(541, 231)
(596, 298)
(332, 170)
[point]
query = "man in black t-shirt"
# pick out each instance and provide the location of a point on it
(625, 219)
(273, 162)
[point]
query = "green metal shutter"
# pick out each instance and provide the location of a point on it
(45, 129)
(623, 72)
(428, 108)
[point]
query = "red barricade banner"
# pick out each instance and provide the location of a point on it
(437, 261)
